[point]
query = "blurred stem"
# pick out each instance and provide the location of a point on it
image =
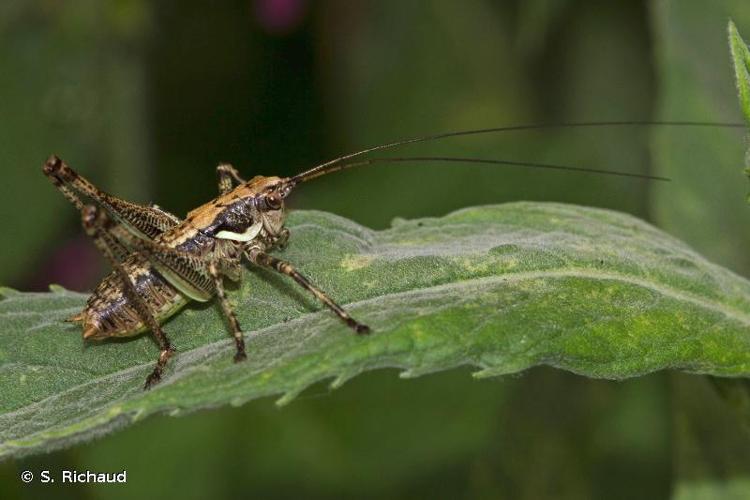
(736, 393)
(741, 60)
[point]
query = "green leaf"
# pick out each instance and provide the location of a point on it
(741, 60)
(502, 288)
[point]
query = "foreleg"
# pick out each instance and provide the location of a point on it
(263, 259)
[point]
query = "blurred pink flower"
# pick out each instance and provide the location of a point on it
(279, 17)
(76, 265)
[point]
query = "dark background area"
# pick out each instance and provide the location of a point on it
(147, 98)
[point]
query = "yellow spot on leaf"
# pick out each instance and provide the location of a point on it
(354, 262)
(418, 332)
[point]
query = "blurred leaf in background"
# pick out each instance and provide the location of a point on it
(711, 452)
(446, 67)
(706, 206)
(72, 83)
(148, 98)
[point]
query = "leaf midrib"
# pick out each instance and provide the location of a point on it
(667, 291)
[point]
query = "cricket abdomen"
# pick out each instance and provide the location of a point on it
(110, 313)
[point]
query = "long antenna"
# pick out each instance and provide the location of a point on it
(488, 161)
(331, 165)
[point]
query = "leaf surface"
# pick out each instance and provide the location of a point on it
(502, 288)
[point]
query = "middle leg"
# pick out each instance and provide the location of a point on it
(239, 340)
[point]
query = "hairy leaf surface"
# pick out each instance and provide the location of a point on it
(502, 288)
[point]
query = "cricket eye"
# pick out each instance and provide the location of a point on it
(273, 201)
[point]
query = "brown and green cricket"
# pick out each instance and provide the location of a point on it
(161, 262)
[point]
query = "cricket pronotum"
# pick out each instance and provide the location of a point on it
(162, 262)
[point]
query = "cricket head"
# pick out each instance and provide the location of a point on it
(270, 202)
(253, 210)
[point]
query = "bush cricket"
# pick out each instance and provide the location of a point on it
(161, 262)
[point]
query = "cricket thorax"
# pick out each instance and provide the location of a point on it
(251, 213)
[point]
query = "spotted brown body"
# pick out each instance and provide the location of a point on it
(161, 262)
(109, 313)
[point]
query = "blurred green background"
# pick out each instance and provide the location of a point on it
(146, 98)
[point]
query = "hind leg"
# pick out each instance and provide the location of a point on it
(147, 222)
(95, 222)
